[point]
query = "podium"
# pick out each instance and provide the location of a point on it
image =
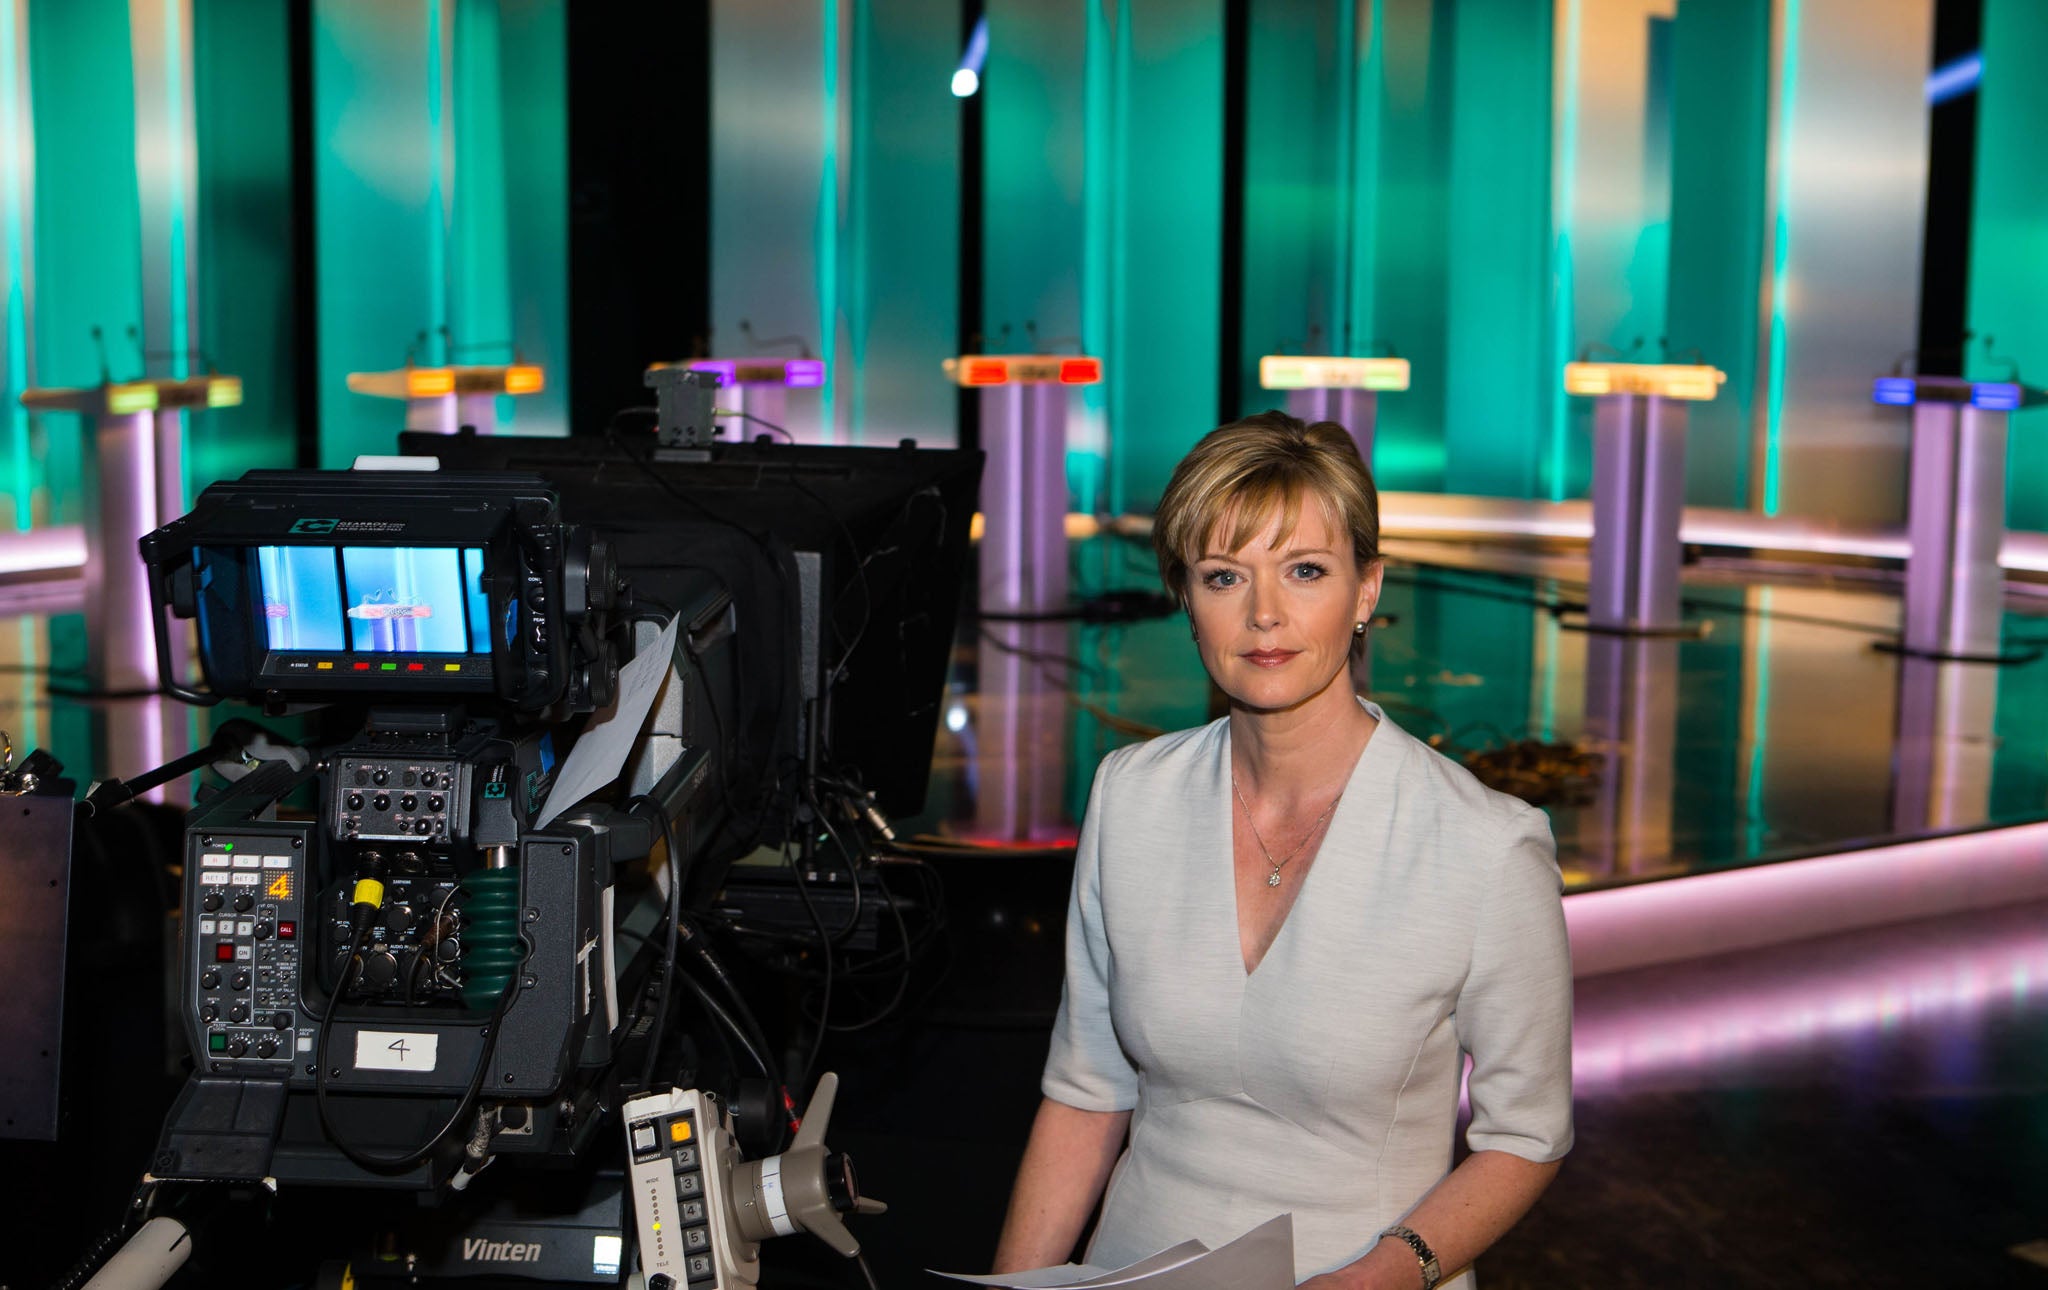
(1343, 390)
(1955, 522)
(1024, 486)
(1638, 488)
(441, 400)
(134, 483)
(759, 391)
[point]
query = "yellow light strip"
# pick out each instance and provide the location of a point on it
(1326, 372)
(1697, 383)
(439, 382)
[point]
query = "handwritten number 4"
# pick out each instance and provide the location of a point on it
(398, 1046)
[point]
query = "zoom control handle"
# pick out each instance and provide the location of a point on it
(806, 1188)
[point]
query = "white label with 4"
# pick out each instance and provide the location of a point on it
(396, 1050)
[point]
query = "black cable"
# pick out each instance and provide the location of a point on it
(743, 414)
(668, 958)
(380, 1163)
(824, 949)
(717, 1012)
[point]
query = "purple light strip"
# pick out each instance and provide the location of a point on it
(1685, 918)
(1749, 1008)
(57, 549)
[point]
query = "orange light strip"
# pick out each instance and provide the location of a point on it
(1696, 383)
(1023, 369)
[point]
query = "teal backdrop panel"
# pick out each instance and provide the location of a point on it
(88, 240)
(533, 125)
(2009, 236)
(17, 267)
(1720, 123)
(242, 118)
(902, 261)
(1496, 408)
(1411, 247)
(1167, 234)
(1036, 107)
(380, 217)
(1297, 98)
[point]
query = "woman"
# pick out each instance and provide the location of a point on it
(1280, 1027)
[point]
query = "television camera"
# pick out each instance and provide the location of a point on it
(447, 932)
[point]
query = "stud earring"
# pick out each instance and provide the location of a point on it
(1358, 629)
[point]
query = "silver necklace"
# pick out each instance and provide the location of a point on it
(1273, 878)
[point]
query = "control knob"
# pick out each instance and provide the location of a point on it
(244, 902)
(380, 777)
(266, 1047)
(209, 1013)
(409, 803)
(281, 1020)
(240, 980)
(238, 1047)
(210, 979)
(381, 801)
(239, 1013)
(210, 902)
(354, 801)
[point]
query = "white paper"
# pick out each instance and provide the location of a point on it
(601, 751)
(1261, 1259)
(397, 1050)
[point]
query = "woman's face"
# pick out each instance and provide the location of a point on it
(1275, 619)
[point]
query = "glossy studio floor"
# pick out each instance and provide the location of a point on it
(1855, 1106)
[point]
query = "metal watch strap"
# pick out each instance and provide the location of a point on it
(1431, 1273)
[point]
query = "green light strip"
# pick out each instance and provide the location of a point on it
(1759, 729)
(13, 130)
(859, 95)
(177, 135)
(1563, 303)
(1086, 472)
(1780, 254)
(1358, 191)
(826, 238)
(437, 197)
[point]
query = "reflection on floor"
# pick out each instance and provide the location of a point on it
(1779, 730)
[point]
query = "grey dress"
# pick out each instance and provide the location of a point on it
(1324, 1083)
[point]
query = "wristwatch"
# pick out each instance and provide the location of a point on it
(1431, 1273)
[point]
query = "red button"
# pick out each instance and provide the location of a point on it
(287, 931)
(415, 667)
(362, 667)
(224, 952)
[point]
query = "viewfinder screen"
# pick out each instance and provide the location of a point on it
(375, 600)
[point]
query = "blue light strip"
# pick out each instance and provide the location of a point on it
(1995, 396)
(1893, 391)
(1954, 79)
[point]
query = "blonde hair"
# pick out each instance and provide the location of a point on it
(1246, 471)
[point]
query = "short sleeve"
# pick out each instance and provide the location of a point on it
(1514, 1012)
(1087, 1068)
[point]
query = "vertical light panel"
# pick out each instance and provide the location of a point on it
(2009, 235)
(378, 217)
(1497, 406)
(902, 268)
(533, 126)
(834, 177)
(17, 254)
(243, 301)
(1300, 77)
(1720, 129)
(167, 184)
(1411, 247)
(774, 181)
(1170, 240)
(1849, 173)
(88, 228)
(1046, 178)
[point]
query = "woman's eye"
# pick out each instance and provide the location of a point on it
(1309, 572)
(1220, 578)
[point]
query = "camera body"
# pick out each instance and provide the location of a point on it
(402, 927)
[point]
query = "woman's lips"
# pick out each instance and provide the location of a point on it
(1269, 657)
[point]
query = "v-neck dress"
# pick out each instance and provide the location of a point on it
(1325, 1082)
